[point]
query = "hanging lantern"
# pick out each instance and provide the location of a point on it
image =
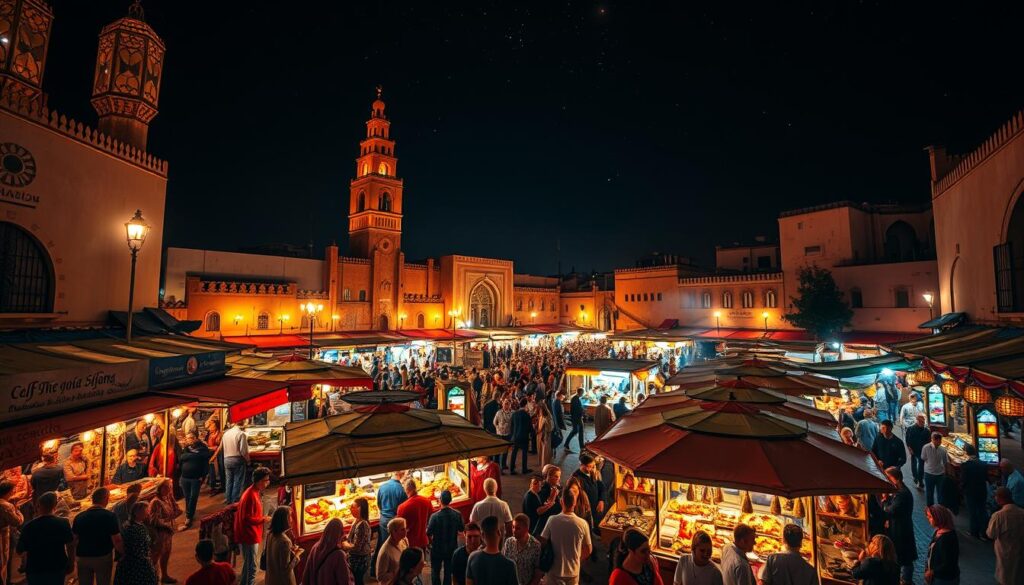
(911, 379)
(951, 388)
(776, 505)
(746, 506)
(798, 507)
(924, 376)
(1012, 406)
(977, 395)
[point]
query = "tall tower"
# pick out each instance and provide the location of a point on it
(126, 89)
(24, 37)
(375, 195)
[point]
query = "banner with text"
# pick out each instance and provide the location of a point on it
(32, 393)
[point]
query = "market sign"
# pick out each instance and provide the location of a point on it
(28, 394)
(185, 369)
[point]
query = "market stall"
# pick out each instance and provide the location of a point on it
(611, 378)
(709, 465)
(332, 461)
(457, 396)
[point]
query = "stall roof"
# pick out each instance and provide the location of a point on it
(947, 320)
(673, 334)
(440, 334)
(610, 365)
(860, 367)
(991, 355)
(19, 442)
(244, 398)
(380, 439)
(553, 328)
(285, 341)
(298, 373)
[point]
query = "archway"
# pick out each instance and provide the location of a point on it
(482, 305)
(420, 321)
(900, 242)
(26, 272)
(384, 203)
(383, 322)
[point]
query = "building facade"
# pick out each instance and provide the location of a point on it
(67, 189)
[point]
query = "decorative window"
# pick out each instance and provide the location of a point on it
(519, 304)
(420, 320)
(383, 169)
(659, 296)
(543, 305)
(771, 298)
(705, 299)
(582, 307)
(362, 295)
(727, 300)
(645, 296)
(384, 202)
(530, 304)
(361, 203)
(812, 250)
(213, 321)
(346, 295)
(366, 169)
(747, 299)
(263, 321)
(26, 274)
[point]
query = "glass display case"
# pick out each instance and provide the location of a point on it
(635, 506)
(986, 428)
(841, 532)
(935, 403)
(317, 503)
(264, 439)
(455, 401)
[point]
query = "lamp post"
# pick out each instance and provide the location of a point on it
(238, 319)
(401, 320)
(718, 322)
(312, 310)
(533, 316)
(453, 313)
(930, 299)
(282, 319)
(334, 321)
(764, 315)
(136, 229)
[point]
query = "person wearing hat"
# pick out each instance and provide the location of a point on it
(443, 530)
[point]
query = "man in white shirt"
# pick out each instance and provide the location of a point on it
(492, 505)
(570, 539)
(735, 566)
(788, 567)
(391, 551)
(1006, 528)
(934, 457)
(235, 446)
(909, 412)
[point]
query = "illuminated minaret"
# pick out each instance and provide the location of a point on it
(375, 195)
(24, 37)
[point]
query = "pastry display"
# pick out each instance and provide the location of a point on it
(263, 439)
(631, 518)
(763, 524)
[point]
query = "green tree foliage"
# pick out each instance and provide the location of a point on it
(819, 305)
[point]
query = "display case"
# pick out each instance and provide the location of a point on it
(317, 503)
(935, 405)
(986, 431)
(264, 439)
(841, 533)
(635, 505)
(455, 400)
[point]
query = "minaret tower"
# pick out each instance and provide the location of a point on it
(126, 87)
(375, 195)
(24, 38)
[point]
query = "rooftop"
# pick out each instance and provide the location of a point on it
(890, 207)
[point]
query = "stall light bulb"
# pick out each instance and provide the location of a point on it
(176, 412)
(835, 345)
(886, 372)
(87, 436)
(148, 418)
(50, 445)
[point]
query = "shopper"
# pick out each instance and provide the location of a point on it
(390, 495)
(10, 519)
(123, 509)
(410, 565)
(282, 556)
(918, 435)
(461, 555)
(550, 496)
(934, 458)
(532, 501)
(877, 564)
(1006, 528)
(603, 416)
(327, 563)
(866, 430)
(488, 566)
(97, 535)
(482, 468)
(576, 419)
(211, 572)
(443, 529)
(416, 510)
(789, 567)
(163, 514)
(1013, 480)
(899, 513)
(593, 487)
(908, 413)
(249, 522)
(888, 448)
(503, 426)
(890, 397)
(357, 543)
(492, 506)
(569, 536)
(235, 447)
(195, 462)
(943, 565)
(634, 564)
(736, 568)
(135, 567)
(520, 429)
(545, 426)
(974, 485)
(620, 408)
(696, 568)
(523, 550)
(216, 479)
(390, 554)
(46, 543)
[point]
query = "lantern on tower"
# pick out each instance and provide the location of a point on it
(126, 86)
(24, 38)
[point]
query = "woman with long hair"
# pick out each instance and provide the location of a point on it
(357, 543)
(943, 567)
(281, 554)
(634, 564)
(410, 565)
(163, 514)
(877, 564)
(327, 563)
(135, 567)
(583, 508)
(545, 425)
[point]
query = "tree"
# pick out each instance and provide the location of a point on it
(819, 304)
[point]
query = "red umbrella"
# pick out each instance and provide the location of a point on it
(299, 373)
(735, 445)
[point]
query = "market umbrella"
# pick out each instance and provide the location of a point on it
(300, 373)
(735, 445)
(380, 435)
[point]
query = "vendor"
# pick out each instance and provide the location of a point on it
(76, 472)
(131, 470)
(138, 440)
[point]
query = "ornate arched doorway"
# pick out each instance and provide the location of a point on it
(383, 322)
(26, 272)
(482, 305)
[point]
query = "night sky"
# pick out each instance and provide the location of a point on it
(616, 128)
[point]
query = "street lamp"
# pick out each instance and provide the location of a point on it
(718, 322)
(401, 320)
(533, 316)
(930, 299)
(764, 315)
(282, 320)
(136, 229)
(334, 321)
(583, 318)
(312, 310)
(453, 313)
